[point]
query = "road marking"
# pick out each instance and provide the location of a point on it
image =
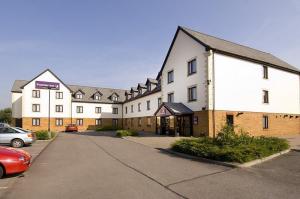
(3, 187)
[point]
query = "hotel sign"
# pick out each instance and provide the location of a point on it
(163, 112)
(46, 85)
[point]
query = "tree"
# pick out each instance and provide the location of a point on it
(5, 115)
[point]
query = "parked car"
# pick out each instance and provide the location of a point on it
(4, 125)
(13, 161)
(16, 137)
(71, 128)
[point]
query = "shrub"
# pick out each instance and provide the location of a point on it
(231, 147)
(53, 134)
(42, 135)
(106, 128)
(122, 133)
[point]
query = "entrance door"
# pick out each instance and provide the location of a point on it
(164, 125)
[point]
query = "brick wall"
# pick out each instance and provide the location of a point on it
(252, 122)
(88, 124)
(132, 124)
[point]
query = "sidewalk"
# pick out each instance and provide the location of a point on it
(35, 149)
(294, 141)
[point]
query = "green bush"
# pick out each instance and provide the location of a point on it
(106, 128)
(42, 135)
(231, 147)
(53, 134)
(122, 133)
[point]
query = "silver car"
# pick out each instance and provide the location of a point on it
(4, 125)
(16, 137)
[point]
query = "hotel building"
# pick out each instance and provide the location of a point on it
(204, 83)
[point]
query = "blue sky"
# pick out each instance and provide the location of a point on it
(120, 43)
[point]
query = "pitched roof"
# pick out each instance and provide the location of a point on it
(175, 108)
(233, 49)
(87, 90)
(153, 81)
(17, 86)
(47, 70)
(90, 91)
(140, 85)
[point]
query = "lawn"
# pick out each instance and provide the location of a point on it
(230, 146)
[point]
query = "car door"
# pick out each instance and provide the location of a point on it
(4, 136)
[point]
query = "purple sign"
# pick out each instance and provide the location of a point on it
(46, 85)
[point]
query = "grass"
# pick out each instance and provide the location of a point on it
(123, 133)
(44, 135)
(231, 147)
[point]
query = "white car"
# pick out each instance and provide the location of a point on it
(16, 137)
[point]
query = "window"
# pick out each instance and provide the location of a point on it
(192, 94)
(35, 121)
(192, 67)
(126, 109)
(79, 109)
(140, 91)
(114, 98)
(265, 69)
(35, 108)
(115, 110)
(98, 122)
(115, 122)
(98, 110)
(229, 120)
(131, 108)
(171, 97)
(149, 87)
(78, 96)
(59, 122)
(140, 122)
(59, 108)
(265, 122)
(36, 94)
(148, 121)
(170, 76)
(139, 107)
(79, 122)
(148, 105)
(59, 95)
(97, 97)
(131, 122)
(159, 101)
(265, 96)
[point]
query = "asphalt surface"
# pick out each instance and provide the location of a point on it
(93, 166)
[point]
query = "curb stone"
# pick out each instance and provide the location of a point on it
(229, 164)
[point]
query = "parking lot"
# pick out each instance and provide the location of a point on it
(97, 165)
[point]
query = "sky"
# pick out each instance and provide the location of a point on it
(120, 43)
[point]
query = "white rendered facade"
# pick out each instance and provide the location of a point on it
(223, 85)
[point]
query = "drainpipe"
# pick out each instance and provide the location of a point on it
(213, 87)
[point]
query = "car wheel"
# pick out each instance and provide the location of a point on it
(17, 143)
(1, 172)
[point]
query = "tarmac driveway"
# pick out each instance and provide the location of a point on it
(93, 165)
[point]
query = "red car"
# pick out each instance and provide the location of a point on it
(13, 161)
(71, 128)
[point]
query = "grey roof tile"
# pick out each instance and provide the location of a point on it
(237, 49)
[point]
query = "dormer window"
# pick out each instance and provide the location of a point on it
(140, 91)
(114, 98)
(149, 87)
(97, 97)
(78, 96)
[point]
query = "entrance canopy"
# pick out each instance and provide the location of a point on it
(168, 109)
